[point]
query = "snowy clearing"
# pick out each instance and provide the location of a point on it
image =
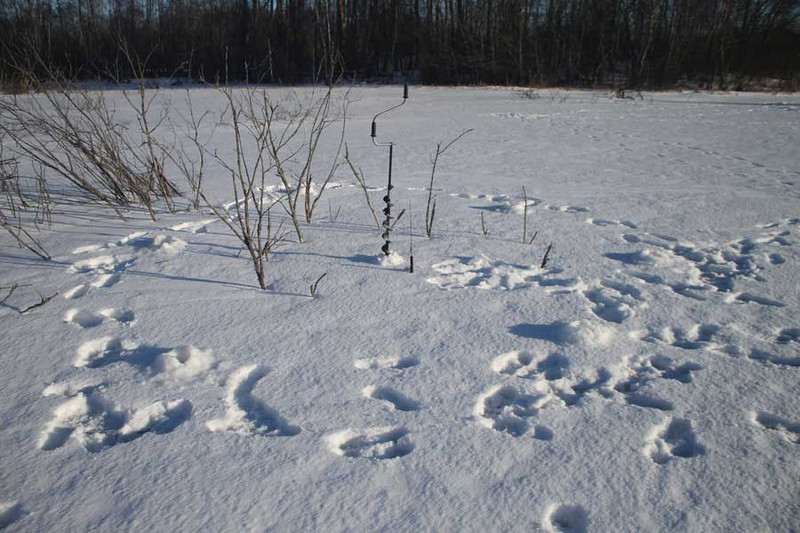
(645, 379)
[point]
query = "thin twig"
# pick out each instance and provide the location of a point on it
(40, 304)
(314, 285)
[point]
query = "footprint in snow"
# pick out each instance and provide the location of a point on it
(609, 222)
(786, 428)
(96, 423)
(672, 438)
(696, 337)
(566, 519)
(198, 226)
(614, 301)
(507, 409)
(89, 319)
(374, 363)
(374, 443)
(10, 512)
(395, 400)
(182, 363)
(76, 292)
(643, 371)
(247, 415)
(788, 335)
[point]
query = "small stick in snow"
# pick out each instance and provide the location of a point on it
(524, 216)
(396, 220)
(331, 217)
(546, 256)
(40, 304)
(484, 230)
(314, 285)
(10, 290)
(410, 241)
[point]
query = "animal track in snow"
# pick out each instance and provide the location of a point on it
(96, 423)
(686, 285)
(394, 399)
(789, 430)
(507, 409)
(644, 370)
(482, 273)
(246, 414)
(672, 438)
(198, 226)
(88, 319)
(76, 292)
(566, 519)
(573, 209)
(159, 417)
(788, 335)
(103, 264)
(614, 301)
(550, 375)
(572, 392)
(181, 363)
(140, 240)
(781, 223)
(102, 351)
(697, 337)
(10, 512)
(525, 365)
(398, 363)
(775, 358)
(374, 443)
(105, 280)
(716, 266)
(747, 297)
(608, 222)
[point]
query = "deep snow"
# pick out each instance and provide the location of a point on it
(645, 380)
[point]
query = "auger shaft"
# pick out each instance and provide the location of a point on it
(387, 211)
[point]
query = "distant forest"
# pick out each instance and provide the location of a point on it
(619, 43)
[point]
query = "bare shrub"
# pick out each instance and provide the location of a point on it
(527, 94)
(190, 162)
(430, 208)
(23, 206)
(251, 220)
(359, 175)
(75, 134)
(293, 130)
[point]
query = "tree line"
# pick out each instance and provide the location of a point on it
(621, 43)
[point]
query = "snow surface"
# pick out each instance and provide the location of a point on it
(645, 379)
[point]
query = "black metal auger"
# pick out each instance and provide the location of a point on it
(387, 211)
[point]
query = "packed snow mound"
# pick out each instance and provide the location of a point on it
(392, 260)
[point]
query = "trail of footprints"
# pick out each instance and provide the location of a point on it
(383, 442)
(88, 418)
(533, 381)
(508, 408)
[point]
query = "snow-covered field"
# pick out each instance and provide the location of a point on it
(645, 380)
